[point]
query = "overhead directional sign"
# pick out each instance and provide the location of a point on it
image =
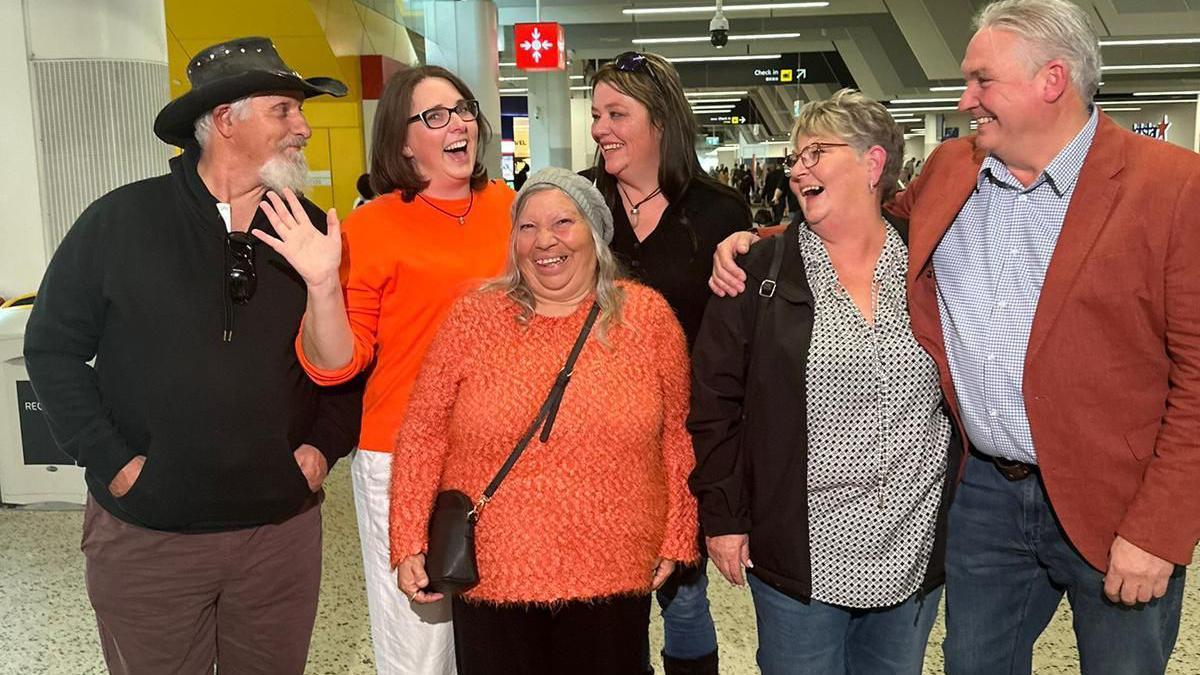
(787, 70)
(740, 114)
(540, 46)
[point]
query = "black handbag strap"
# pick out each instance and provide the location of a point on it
(545, 416)
(766, 289)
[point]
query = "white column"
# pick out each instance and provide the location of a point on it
(1195, 114)
(583, 148)
(461, 37)
(932, 134)
(549, 119)
(83, 80)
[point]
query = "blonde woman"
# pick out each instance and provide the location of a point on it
(818, 422)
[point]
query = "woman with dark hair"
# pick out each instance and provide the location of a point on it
(437, 228)
(668, 217)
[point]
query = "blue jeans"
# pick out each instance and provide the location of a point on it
(813, 637)
(688, 631)
(1008, 565)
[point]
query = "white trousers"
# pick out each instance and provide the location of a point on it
(409, 639)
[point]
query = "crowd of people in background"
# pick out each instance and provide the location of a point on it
(980, 379)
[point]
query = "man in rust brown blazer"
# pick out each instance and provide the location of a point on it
(1054, 274)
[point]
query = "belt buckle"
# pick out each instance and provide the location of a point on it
(1012, 469)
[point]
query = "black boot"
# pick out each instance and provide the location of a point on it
(705, 665)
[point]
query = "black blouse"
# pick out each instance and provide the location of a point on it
(676, 259)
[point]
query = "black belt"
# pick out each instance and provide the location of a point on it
(1009, 468)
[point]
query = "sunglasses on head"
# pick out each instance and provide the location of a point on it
(242, 280)
(635, 62)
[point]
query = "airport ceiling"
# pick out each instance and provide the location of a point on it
(891, 49)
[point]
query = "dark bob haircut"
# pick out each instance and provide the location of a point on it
(390, 169)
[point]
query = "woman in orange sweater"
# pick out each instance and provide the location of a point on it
(590, 521)
(438, 227)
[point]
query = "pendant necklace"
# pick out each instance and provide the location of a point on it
(461, 218)
(634, 210)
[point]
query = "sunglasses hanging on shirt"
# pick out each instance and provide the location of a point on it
(241, 277)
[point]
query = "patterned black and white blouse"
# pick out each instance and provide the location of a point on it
(877, 437)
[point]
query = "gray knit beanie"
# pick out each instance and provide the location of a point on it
(587, 198)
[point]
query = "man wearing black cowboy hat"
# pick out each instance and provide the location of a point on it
(204, 444)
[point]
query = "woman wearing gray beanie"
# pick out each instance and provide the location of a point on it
(595, 513)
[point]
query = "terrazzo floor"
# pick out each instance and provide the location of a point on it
(47, 626)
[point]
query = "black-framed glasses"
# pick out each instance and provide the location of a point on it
(242, 279)
(635, 62)
(810, 154)
(439, 116)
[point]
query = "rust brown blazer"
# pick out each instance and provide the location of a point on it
(1112, 372)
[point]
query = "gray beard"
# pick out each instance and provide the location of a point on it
(283, 172)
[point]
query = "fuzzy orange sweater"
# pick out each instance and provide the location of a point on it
(586, 514)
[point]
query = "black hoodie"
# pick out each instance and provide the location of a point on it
(210, 392)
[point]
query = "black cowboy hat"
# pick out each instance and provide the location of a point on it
(228, 71)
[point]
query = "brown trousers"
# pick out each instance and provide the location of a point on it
(165, 602)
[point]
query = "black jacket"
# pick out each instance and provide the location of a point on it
(676, 258)
(749, 421)
(139, 284)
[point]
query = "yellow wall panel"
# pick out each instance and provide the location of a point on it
(348, 162)
(273, 18)
(352, 69)
(332, 112)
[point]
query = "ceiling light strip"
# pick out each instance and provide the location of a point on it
(740, 57)
(706, 38)
(935, 108)
(1166, 93)
(716, 93)
(1150, 41)
(922, 100)
(1155, 66)
(727, 8)
(1142, 101)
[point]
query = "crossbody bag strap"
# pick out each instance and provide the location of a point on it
(546, 414)
(766, 289)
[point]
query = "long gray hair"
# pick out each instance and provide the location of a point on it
(609, 296)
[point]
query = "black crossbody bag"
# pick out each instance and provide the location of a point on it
(450, 557)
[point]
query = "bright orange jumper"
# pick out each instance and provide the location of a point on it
(586, 514)
(403, 265)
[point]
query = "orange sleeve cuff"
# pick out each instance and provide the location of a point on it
(322, 376)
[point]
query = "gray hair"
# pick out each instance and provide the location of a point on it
(1053, 29)
(861, 122)
(240, 109)
(609, 296)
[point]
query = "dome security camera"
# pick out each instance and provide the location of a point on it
(718, 29)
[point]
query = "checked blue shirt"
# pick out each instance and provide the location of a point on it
(989, 268)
